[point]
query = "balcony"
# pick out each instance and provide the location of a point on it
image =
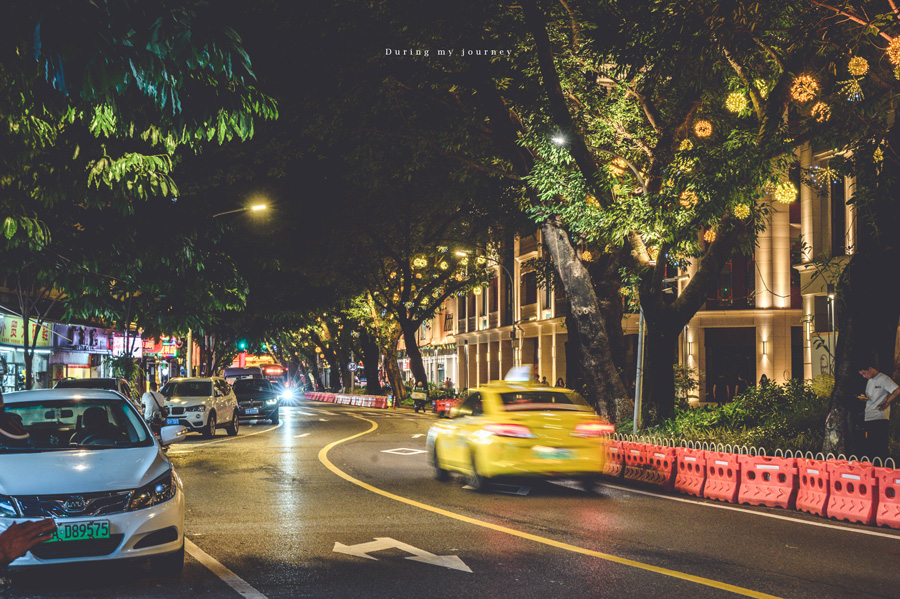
(529, 312)
(528, 245)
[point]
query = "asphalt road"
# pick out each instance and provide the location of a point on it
(339, 501)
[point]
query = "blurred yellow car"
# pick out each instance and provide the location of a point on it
(519, 429)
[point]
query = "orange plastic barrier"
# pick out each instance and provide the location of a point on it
(691, 471)
(813, 482)
(888, 512)
(614, 465)
(768, 481)
(660, 469)
(723, 476)
(636, 460)
(854, 491)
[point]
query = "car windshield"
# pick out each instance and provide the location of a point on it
(543, 400)
(187, 389)
(87, 384)
(252, 386)
(75, 423)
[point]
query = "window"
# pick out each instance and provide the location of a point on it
(529, 288)
(470, 407)
(495, 295)
(187, 389)
(543, 400)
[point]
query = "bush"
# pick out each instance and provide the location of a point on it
(786, 417)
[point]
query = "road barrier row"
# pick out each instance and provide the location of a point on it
(363, 401)
(851, 490)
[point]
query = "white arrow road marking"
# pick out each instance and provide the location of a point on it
(416, 436)
(229, 577)
(303, 435)
(322, 420)
(403, 451)
(418, 555)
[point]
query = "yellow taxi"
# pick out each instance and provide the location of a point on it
(519, 429)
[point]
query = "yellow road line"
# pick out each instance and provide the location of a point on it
(323, 457)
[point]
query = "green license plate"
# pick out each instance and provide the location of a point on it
(80, 531)
(553, 453)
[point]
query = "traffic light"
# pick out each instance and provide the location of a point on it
(242, 344)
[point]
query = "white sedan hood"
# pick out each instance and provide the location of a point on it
(83, 471)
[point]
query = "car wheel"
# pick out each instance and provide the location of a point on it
(232, 429)
(169, 565)
(477, 481)
(439, 473)
(275, 417)
(209, 430)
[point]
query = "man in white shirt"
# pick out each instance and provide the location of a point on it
(153, 402)
(881, 391)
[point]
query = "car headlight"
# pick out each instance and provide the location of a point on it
(8, 508)
(287, 395)
(200, 408)
(159, 490)
(271, 402)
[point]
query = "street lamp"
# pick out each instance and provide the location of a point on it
(253, 208)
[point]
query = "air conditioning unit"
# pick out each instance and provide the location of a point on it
(548, 314)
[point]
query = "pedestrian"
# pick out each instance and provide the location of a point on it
(544, 381)
(881, 391)
(763, 380)
(720, 389)
(740, 385)
(154, 403)
(560, 382)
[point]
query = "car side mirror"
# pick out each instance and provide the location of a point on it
(172, 434)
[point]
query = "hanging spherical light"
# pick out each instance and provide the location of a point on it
(688, 199)
(893, 51)
(480, 260)
(878, 155)
(785, 192)
(858, 66)
(709, 236)
(805, 88)
(736, 102)
(741, 211)
(821, 112)
(444, 265)
(477, 291)
(686, 144)
(587, 256)
(703, 128)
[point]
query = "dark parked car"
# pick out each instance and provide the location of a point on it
(113, 384)
(257, 398)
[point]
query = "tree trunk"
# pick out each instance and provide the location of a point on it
(371, 357)
(392, 369)
(344, 366)
(601, 379)
(658, 385)
(416, 365)
(869, 313)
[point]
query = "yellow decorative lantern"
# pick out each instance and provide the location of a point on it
(703, 128)
(477, 291)
(688, 199)
(464, 261)
(480, 260)
(418, 275)
(709, 236)
(785, 192)
(821, 112)
(686, 144)
(878, 155)
(893, 51)
(394, 274)
(587, 256)
(736, 102)
(858, 66)
(444, 265)
(741, 211)
(459, 276)
(805, 88)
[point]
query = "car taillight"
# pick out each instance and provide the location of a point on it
(509, 430)
(593, 429)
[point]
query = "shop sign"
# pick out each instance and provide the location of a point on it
(151, 346)
(119, 345)
(169, 347)
(82, 339)
(12, 331)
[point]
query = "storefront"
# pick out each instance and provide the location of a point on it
(160, 359)
(79, 352)
(12, 336)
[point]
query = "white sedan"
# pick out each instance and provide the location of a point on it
(91, 463)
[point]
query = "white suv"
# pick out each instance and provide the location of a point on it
(202, 405)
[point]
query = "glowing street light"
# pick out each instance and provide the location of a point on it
(254, 208)
(559, 139)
